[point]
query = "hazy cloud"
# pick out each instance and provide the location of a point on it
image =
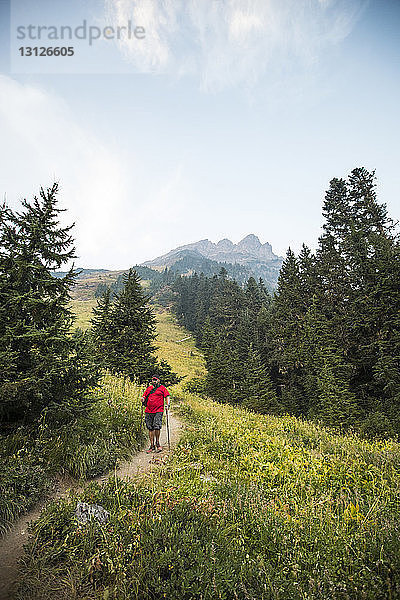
(229, 42)
(41, 143)
(116, 205)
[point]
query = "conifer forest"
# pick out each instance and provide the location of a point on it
(326, 344)
(281, 479)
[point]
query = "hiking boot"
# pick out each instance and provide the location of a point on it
(151, 449)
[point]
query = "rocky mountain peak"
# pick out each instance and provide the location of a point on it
(249, 244)
(225, 244)
(248, 251)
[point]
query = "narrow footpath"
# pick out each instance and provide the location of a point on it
(12, 544)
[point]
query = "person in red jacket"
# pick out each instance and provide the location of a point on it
(153, 399)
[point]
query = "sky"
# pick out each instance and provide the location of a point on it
(226, 117)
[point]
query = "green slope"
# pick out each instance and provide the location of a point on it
(248, 506)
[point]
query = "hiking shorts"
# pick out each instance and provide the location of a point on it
(153, 420)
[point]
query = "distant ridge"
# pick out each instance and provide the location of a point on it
(256, 259)
(81, 272)
(248, 250)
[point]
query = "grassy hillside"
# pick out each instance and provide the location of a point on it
(176, 346)
(86, 283)
(82, 309)
(248, 507)
(83, 300)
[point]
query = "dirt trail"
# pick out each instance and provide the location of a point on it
(12, 544)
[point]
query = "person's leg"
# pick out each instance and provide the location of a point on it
(157, 434)
(151, 436)
(149, 420)
(157, 428)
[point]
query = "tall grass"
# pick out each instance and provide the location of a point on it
(95, 444)
(83, 311)
(249, 507)
(82, 449)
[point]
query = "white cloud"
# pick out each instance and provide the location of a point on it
(230, 42)
(42, 142)
(243, 24)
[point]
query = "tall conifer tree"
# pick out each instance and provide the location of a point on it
(258, 391)
(44, 365)
(286, 333)
(124, 332)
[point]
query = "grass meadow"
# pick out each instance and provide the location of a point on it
(247, 507)
(176, 345)
(82, 309)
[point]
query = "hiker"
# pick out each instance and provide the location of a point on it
(153, 400)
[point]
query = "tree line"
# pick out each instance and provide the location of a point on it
(327, 344)
(159, 282)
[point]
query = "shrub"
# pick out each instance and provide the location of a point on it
(377, 425)
(196, 385)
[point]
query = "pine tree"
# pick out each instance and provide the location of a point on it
(181, 287)
(287, 336)
(374, 254)
(101, 328)
(328, 380)
(202, 307)
(263, 340)
(220, 381)
(124, 332)
(226, 308)
(258, 390)
(358, 289)
(132, 331)
(307, 277)
(208, 338)
(254, 299)
(248, 331)
(264, 293)
(44, 367)
(336, 404)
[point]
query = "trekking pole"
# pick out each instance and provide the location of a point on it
(169, 444)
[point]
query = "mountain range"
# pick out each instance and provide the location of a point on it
(248, 258)
(248, 250)
(255, 258)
